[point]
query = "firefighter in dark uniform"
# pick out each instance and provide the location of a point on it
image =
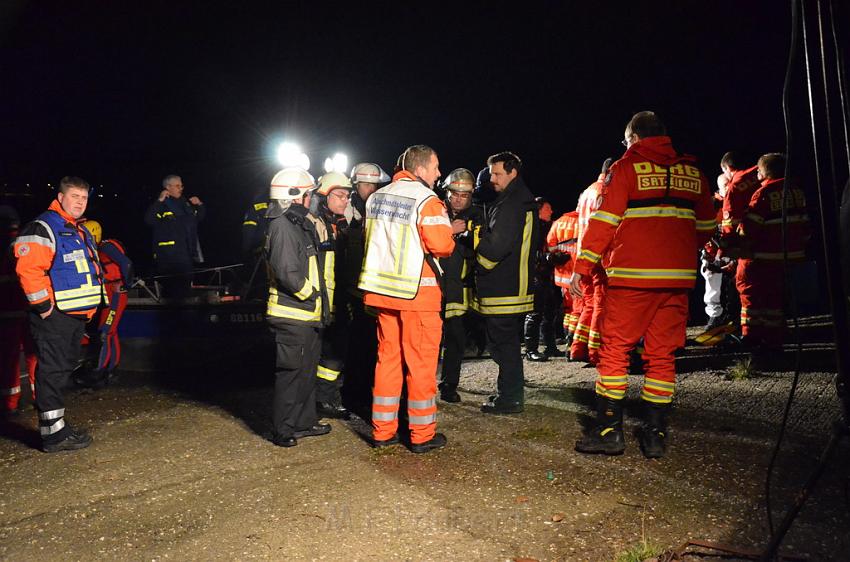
(61, 277)
(174, 220)
(254, 225)
(457, 276)
(328, 202)
(298, 306)
(504, 275)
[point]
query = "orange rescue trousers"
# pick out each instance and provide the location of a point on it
(15, 337)
(409, 348)
(660, 317)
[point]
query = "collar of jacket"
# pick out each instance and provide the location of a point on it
(298, 215)
(405, 175)
(767, 181)
(736, 177)
(658, 150)
(55, 206)
(516, 184)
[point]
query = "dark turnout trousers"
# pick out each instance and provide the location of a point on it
(454, 342)
(57, 342)
(294, 403)
(503, 341)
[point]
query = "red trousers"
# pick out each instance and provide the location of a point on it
(660, 317)
(587, 339)
(408, 349)
(761, 285)
(15, 336)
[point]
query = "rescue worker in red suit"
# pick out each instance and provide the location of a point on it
(407, 228)
(457, 277)
(298, 306)
(586, 338)
(760, 277)
(656, 214)
(117, 277)
(14, 328)
(561, 243)
(61, 277)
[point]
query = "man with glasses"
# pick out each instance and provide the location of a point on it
(656, 213)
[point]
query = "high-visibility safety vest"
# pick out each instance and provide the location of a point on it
(75, 274)
(394, 255)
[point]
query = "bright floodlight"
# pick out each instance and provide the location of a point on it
(290, 155)
(337, 163)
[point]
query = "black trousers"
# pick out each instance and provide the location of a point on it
(57, 346)
(503, 341)
(361, 357)
(294, 402)
(540, 324)
(330, 376)
(454, 345)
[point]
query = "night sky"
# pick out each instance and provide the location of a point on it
(123, 93)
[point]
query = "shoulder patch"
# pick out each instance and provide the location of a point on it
(23, 250)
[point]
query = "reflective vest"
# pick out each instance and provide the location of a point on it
(394, 256)
(75, 273)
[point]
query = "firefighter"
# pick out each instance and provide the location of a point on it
(118, 276)
(329, 202)
(540, 323)
(655, 214)
(298, 306)
(407, 229)
(504, 271)
(561, 243)
(61, 277)
(760, 277)
(14, 328)
(254, 225)
(457, 270)
(174, 221)
(586, 337)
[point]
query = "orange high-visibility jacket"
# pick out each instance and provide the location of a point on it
(761, 228)
(656, 213)
(738, 194)
(562, 239)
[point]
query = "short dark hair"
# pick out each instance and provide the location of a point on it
(605, 165)
(416, 155)
(733, 160)
(68, 182)
(646, 124)
(509, 160)
(772, 165)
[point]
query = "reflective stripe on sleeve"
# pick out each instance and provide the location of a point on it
(606, 217)
(35, 239)
(38, 295)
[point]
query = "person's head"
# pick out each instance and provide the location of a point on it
(290, 186)
(459, 185)
(771, 166)
(173, 185)
(642, 125)
(722, 184)
(73, 195)
(366, 177)
(731, 163)
(335, 191)
(504, 167)
(94, 229)
(422, 162)
(544, 209)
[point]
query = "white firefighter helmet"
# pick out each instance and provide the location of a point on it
(331, 181)
(368, 173)
(460, 180)
(291, 183)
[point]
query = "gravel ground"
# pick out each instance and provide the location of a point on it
(177, 475)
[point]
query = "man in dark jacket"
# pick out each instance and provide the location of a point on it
(504, 275)
(174, 220)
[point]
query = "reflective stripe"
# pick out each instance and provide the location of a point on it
(634, 273)
(260, 206)
(281, 311)
(386, 400)
(659, 386)
(428, 282)
(437, 219)
(707, 224)
(51, 414)
(51, 429)
(166, 243)
(10, 391)
(326, 374)
(421, 404)
(614, 394)
(606, 217)
(586, 254)
(659, 212)
(167, 214)
(38, 295)
(306, 290)
(385, 416)
(35, 239)
(422, 420)
(485, 263)
(249, 223)
(525, 251)
(614, 380)
(655, 399)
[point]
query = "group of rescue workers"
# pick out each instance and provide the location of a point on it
(366, 283)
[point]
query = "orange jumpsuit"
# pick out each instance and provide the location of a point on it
(409, 333)
(562, 240)
(656, 213)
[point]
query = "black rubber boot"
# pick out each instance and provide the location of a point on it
(653, 434)
(607, 436)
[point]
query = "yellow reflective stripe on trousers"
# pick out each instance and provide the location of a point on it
(327, 374)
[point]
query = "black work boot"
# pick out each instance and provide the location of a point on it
(607, 436)
(554, 352)
(654, 431)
